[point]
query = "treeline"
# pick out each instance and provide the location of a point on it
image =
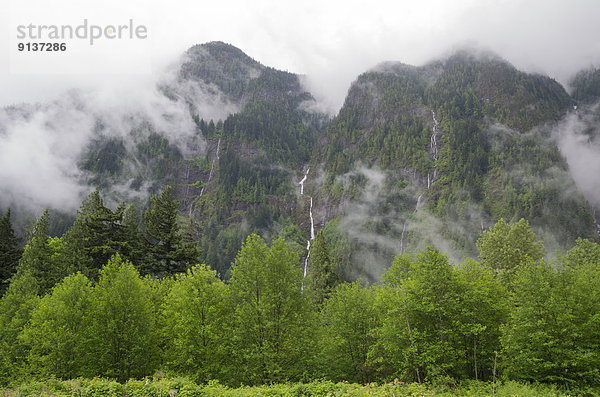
(586, 85)
(483, 85)
(153, 158)
(511, 315)
(273, 121)
(378, 122)
(154, 241)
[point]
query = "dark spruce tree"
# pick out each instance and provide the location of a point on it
(322, 269)
(37, 257)
(10, 252)
(167, 252)
(99, 233)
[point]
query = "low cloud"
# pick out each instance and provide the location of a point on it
(391, 218)
(41, 145)
(578, 137)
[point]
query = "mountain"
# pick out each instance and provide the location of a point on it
(585, 85)
(467, 140)
(433, 154)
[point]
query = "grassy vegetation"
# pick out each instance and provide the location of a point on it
(158, 386)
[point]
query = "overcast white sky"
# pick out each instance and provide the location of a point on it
(330, 41)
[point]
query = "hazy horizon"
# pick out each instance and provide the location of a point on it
(329, 43)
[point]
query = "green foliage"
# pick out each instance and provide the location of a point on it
(97, 234)
(505, 247)
(387, 120)
(250, 181)
(347, 320)
(484, 309)
(183, 387)
(270, 312)
(586, 85)
(552, 334)
(10, 251)
(167, 252)
(16, 307)
(584, 253)
(106, 159)
(221, 64)
(465, 158)
(157, 155)
(59, 332)
(478, 85)
(196, 313)
(376, 123)
(41, 256)
(123, 323)
(420, 306)
(438, 321)
(510, 317)
(322, 269)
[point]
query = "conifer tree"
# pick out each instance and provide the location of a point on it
(322, 269)
(97, 234)
(38, 258)
(167, 252)
(10, 253)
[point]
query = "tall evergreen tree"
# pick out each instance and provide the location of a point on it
(167, 252)
(322, 269)
(38, 258)
(97, 234)
(133, 235)
(10, 252)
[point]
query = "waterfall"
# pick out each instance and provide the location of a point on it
(307, 257)
(187, 182)
(303, 180)
(312, 236)
(402, 238)
(210, 175)
(418, 202)
(212, 167)
(312, 222)
(433, 149)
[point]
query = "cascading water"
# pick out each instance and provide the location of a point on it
(187, 183)
(303, 180)
(312, 222)
(212, 167)
(312, 237)
(433, 150)
(210, 175)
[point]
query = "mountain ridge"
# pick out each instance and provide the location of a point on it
(456, 143)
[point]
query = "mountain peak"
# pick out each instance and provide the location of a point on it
(221, 64)
(475, 55)
(223, 51)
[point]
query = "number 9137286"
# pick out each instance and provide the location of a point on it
(39, 47)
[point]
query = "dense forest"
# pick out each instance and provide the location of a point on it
(431, 233)
(121, 296)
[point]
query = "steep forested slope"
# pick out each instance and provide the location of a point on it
(416, 155)
(470, 134)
